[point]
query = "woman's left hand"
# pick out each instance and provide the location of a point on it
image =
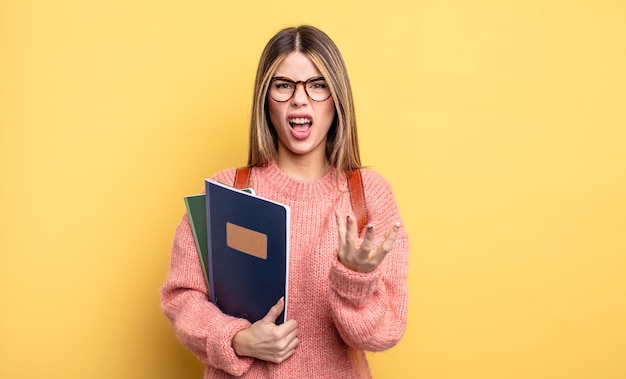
(363, 258)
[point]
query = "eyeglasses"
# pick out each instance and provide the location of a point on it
(283, 89)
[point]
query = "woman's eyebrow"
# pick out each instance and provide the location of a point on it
(282, 78)
(312, 78)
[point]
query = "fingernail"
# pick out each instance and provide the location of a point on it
(370, 226)
(396, 226)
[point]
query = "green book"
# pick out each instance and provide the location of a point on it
(196, 210)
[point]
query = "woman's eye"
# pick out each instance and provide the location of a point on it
(317, 85)
(283, 85)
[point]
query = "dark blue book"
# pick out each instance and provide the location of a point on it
(248, 251)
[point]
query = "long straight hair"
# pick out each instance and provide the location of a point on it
(342, 147)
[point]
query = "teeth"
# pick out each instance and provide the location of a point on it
(300, 120)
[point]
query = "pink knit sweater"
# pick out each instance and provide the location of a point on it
(340, 313)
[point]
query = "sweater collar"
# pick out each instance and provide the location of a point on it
(300, 189)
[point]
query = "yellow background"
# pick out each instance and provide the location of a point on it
(500, 124)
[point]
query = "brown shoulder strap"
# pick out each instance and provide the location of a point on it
(357, 197)
(242, 178)
(355, 186)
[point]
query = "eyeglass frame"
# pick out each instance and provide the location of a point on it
(295, 87)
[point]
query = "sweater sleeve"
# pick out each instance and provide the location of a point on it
(199, 324)
(370, 309)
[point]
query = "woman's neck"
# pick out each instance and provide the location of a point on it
(302, 168)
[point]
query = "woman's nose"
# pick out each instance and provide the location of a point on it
(300, 96)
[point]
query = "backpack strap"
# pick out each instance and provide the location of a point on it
(242, 178)
(355, 186)
(357, 197)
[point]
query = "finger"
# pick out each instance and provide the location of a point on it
(368, 240)
(275, 311)
(351, 232)
(292, 335)
(289, 327)
(287, 352)
(293, 343)
(387, 244)
(288, 345)
(341, 225)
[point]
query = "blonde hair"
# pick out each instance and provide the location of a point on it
(342, 148)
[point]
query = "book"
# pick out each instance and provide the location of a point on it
(247, 256)
(196, 211)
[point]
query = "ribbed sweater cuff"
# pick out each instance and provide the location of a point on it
(352, 285)
(234, 364)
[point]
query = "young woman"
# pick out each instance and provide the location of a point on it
(347, 288)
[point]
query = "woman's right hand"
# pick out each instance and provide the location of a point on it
(267, 341)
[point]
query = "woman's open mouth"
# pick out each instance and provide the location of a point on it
(300, 127)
